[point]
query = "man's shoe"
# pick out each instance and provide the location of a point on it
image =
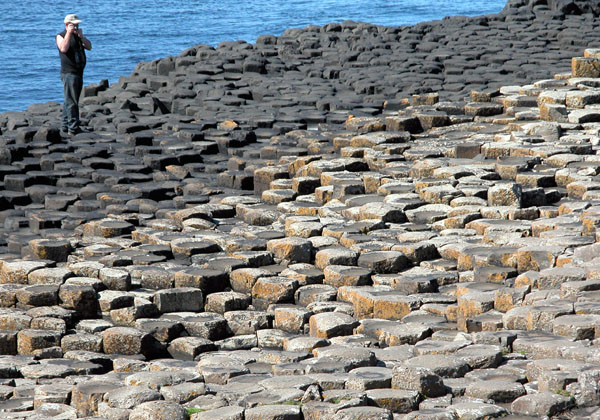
(75, 131)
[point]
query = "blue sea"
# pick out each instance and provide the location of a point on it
(125, 32)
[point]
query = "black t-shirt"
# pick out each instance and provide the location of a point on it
(73, 61)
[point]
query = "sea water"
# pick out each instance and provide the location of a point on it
(125, 32)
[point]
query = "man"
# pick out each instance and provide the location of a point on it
(71, 47)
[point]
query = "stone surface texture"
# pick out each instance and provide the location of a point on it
(345, 221)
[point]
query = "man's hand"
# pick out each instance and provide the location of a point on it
(72, 30)
(84, 41)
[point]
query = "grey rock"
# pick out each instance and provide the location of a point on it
(158, 410)
(542, 404)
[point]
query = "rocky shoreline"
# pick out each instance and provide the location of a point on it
(348, 221)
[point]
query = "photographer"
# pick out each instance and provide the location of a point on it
(71, 46)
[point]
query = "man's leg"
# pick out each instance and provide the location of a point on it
(78, 87)
(65, 111)
(73, 86)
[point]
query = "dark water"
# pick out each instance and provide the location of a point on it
(125, 32)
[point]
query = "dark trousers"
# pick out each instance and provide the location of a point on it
(73, 84)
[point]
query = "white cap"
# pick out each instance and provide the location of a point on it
(72, 19)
